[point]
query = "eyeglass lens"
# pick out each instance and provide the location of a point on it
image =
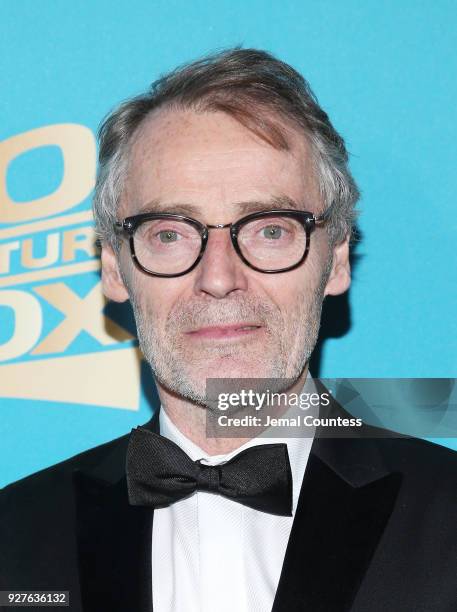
(168, 246)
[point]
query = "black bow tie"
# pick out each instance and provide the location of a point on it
(159, 473)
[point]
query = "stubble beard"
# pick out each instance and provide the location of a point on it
(183, 371)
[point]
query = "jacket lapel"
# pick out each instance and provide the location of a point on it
(114, 538)
(346, 499)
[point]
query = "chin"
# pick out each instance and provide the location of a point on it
(204, 385)
(229, 367)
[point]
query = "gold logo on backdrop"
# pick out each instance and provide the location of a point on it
(103, 378)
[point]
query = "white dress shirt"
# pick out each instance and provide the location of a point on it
(213, 554)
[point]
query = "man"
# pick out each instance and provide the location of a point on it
(224, 205)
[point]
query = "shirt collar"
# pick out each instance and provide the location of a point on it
(297, 447)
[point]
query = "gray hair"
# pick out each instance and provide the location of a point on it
(259, 91)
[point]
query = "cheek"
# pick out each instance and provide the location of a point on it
(156, 298)
(293, 290)
(154, 302)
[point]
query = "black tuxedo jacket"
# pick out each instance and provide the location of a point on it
(375, 530)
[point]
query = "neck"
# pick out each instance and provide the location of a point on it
(190, 419)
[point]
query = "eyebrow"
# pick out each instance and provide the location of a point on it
(270, 204)
(244, 208)
(156, 206)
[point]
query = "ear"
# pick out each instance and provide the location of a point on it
(340, 275)
(112, 283)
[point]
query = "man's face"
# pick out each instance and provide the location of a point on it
(223, 319)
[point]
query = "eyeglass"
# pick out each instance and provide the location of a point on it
(171, 245)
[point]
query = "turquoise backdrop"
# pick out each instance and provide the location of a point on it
(386, 74)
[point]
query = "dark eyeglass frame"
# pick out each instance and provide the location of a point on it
(309, 221)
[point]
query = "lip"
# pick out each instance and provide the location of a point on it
(225, 331)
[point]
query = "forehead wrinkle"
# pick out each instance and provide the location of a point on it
(154, 137)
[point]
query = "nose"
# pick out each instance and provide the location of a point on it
(220, 271)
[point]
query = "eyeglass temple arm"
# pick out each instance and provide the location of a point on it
(325, 216)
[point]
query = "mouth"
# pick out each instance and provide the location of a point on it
(224, 332)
